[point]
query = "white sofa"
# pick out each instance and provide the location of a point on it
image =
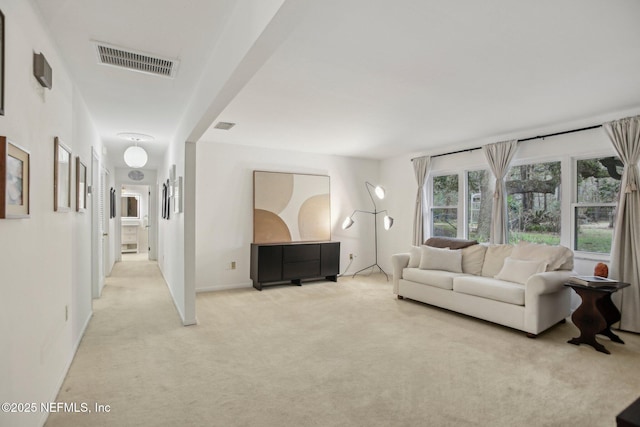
(519, 286)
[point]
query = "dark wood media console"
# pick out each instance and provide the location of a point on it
(281, 262)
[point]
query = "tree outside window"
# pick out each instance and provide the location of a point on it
(444, 210)
(479, 205)
(533, 199)
(597, 187)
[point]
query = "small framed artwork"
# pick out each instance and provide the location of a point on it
(81, 186)
(61, 177)
(168, 200)
(162, 201)
(15, 165)
(177, 196)
(112, 203)
(1, 63)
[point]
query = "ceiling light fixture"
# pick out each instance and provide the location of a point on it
(136, 137)
(135, 157)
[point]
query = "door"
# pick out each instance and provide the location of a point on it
(105, 209)
(97, 200)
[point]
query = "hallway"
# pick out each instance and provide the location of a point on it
(120, 360)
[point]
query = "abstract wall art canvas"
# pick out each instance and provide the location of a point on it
(290, 207)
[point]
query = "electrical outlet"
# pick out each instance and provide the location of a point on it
(350, 256)
(66, 313)
(233, 265)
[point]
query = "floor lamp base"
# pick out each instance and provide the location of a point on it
(372, 265)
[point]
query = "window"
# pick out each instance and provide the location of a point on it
(597, 186)
(479, 205)
(444, 210)
(533, 199)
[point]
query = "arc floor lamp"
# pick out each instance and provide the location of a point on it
(387, 222)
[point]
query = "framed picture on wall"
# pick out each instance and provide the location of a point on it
(1, 63)
(164, 195)
(15, 165)
(112, 203)
(61, 177)
(177, 196)
(168, 200)
(81, 186)
(291, 207)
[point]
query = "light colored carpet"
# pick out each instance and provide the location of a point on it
(330, 354)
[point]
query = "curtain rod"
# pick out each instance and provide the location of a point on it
(520, 140)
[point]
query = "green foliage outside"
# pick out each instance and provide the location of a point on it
(594, 240)
(442, 229)
(533, 203)
(546, 238)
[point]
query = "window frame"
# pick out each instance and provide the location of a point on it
(596, 256)
(458, 207)
(539, 160)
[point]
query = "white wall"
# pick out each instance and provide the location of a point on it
(171, 239)
(84, 137)
(397, 175)
(224, 211)
(44, 260)
(231, 64)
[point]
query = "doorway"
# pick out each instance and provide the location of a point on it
(134, 222)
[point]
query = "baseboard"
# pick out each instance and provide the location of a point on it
(173, 298)
(65, 371)
(224, 287)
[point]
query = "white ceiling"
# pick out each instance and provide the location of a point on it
(364, 78)
(126, 101)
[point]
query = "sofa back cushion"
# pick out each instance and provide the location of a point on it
(494, 259)
(473, 258)
(557, 257)
(441, 259)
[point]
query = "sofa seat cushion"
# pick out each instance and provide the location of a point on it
(486, 287)
(438, 278)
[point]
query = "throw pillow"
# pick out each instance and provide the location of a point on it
(414, 257)
(449, 242)
(494, 259)
(441, 259)
(473, 258)
(519, 271)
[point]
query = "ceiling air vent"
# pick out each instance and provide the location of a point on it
(136, 61)
(224, 125)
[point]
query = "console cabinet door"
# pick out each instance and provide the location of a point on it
(269, 263)
(330, 265)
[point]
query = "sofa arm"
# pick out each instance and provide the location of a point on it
(399, 262)
(547, 282)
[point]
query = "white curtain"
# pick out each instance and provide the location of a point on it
(499, 156)
(625, 250)
(421, 167)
